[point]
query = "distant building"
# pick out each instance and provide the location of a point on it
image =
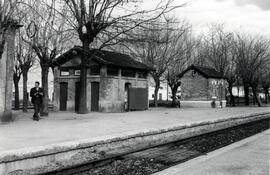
(201, 85)
(164, 92)
(115, 82)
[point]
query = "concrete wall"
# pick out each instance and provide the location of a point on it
(111, 90)
(56, 157)
(6, 77)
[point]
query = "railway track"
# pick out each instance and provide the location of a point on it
(160, 157)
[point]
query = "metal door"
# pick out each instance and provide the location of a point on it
(138, 98)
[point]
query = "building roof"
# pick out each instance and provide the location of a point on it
(207, 72)
(103, 57)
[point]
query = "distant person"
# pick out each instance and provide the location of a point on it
(36, 93)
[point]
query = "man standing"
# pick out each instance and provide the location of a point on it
(36, 93)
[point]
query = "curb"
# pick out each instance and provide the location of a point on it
(63, 155)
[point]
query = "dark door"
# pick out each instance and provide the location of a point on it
(77, 95)
(63, 96)
(138, 98)
(94, 96)
(127, 86)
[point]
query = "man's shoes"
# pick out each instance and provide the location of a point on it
(36, 118)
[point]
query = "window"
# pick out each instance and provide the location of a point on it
(95, 70)
(77, 72)
(64, 72)
(142, 74)
(111, 71)
(160, 96)
(128, 73)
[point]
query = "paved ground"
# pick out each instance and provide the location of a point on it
(250, 156)
(63, 126)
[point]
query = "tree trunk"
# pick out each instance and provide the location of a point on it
(174, 91)
(25, 94)
(246, 91)
(157, 86)
(254, 91)
(232, 100)
(266, 93)
(44, 80)
(83, 82)
(16, 80)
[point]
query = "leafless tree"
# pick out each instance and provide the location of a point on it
(46, 34)
(7, 10)
(184, 52)
(252, 55)
(25, 59)
(17, 72)
(156, 44)
(265, 82)
(200, 52)
(220, 54)
(102, 22)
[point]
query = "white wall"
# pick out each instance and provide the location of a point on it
(164, 90)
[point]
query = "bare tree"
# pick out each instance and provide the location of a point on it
(200, 52)
(184, 52)
(265, 82)
(220, 54)
(252, 55)
(7, 10)
(46, 34)
(25, 60)
(102, 22)
(17, 72)
(155, 44)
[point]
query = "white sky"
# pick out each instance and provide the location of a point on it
(252, 16)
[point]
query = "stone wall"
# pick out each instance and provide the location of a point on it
(194, 87)
(197, 91)
(6, 77)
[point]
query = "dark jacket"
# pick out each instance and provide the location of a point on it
(36, 95)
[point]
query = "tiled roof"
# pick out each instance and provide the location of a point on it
(204, 71)
(103, 57)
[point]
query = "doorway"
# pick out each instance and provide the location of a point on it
(63, 96)
(94, 96)
(77, 96)
(127, 86)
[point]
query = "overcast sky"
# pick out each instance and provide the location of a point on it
(251, 16)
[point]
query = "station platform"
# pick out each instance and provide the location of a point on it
(66, 139)
(66, 126)
(248, 156)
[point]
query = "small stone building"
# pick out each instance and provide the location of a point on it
(115, 82)
(201, 85)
